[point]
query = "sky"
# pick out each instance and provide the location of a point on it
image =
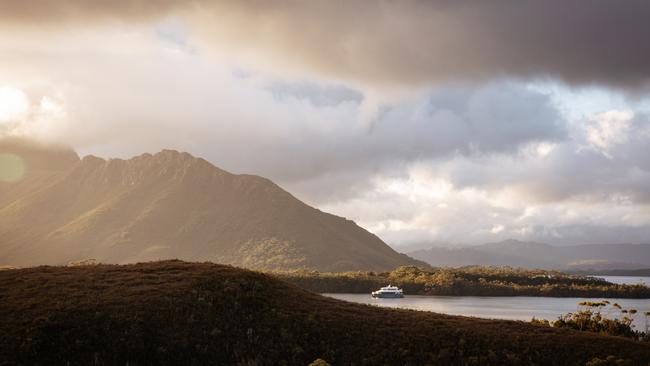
(426, 122)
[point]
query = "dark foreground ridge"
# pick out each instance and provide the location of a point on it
(174, 312)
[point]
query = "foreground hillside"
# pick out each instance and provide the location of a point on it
(168, 205)
(182, 313)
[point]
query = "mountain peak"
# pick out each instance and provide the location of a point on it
(173, 205)
(173, 155)
(163, 156)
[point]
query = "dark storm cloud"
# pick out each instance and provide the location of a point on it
(405, 42)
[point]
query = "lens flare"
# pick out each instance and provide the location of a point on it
(12, 168)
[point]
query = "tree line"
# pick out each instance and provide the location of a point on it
(465, 281)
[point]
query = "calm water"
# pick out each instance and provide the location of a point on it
(514, 308)
(626, 280)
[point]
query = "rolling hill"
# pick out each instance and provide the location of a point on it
(173, 312)
(169, 205)
(539, 255)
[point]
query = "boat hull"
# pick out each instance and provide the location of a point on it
(387, 296)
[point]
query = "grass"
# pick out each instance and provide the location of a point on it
(175, 312)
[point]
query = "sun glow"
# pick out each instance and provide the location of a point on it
(13, 103)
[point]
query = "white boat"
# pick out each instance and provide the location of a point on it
(388, 292)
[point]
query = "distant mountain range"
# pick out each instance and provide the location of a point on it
(538, 255)
(167, 205)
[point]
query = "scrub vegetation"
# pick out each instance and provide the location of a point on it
(174, 312)
(602, 317)
(466, 281)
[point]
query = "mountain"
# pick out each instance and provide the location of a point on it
(169, 205)
(176, 313)
(539, 255)
(26, 166)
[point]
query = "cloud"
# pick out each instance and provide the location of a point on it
(567, 173)
(145, 93)
(609, 129)
(395, 43)
(413, 210)
(435, 160)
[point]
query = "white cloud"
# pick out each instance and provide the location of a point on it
(497, 229)
(608, 129)
(411, 216)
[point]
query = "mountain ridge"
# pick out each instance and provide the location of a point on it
(540, 255)
(174, 205)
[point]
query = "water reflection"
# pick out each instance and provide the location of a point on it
(513, 308)
(626, 280)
